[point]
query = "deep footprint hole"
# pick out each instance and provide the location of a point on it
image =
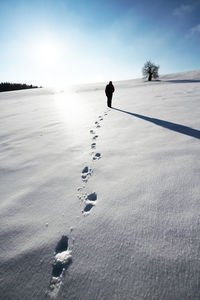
(59, 266)
(88, 207)
(92, 197)
(57, 269)
(85, 170)
(62, 244)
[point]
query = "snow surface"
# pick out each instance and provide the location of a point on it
(101, 203)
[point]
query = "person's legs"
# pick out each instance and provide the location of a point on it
(109, 100)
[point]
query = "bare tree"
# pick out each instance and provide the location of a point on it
(150, 70)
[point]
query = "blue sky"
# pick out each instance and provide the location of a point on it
(58, 42)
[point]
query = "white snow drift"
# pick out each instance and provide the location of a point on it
(137, 236)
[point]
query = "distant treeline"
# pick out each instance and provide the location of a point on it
(7, 86)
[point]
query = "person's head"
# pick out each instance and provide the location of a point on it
(110, 82)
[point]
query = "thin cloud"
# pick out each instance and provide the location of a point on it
(183, 9)
(195, 30)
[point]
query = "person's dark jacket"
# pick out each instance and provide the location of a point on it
(109, 90)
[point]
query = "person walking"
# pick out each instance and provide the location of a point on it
(109, 90)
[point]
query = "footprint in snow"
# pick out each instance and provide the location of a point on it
(93, 145)
(62, 260)
(97, 156)
(92, 197)
(79, 189)
(90, 200)
(95, 137)
(92, 131)
(86, 173)
(88, 207)
(97, 124)
(100, 118)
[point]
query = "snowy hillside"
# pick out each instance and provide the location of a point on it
(101, 203)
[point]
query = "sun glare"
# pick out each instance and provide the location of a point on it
(47, 53)
(71, 108)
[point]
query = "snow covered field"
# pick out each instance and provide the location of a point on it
(101, 203)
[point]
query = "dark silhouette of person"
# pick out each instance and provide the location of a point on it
(109, 90)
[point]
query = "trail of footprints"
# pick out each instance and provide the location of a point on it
(89, 200)
(62, 255)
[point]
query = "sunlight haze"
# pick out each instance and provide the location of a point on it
(63, 42)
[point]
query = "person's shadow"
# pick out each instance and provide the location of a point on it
(169, 125)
